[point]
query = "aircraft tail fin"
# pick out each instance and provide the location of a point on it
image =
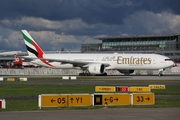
(33, 48)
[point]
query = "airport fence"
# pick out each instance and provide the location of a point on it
(39, 71)
(49, 71)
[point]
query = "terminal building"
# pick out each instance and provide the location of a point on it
(168, 45)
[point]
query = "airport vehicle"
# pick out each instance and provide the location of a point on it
(97, 64)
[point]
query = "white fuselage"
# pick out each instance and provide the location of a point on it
(57, 65)
(115, 61)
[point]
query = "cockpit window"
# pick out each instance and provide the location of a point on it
(168, 59)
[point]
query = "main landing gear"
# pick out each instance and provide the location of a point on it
(86, 73)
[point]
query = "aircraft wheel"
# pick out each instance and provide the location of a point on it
(160, 74)
(105, 74)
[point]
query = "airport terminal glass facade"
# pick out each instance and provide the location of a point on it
(168, 45)
(141, 43)
(91, 47)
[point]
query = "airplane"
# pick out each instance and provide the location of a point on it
(97, 64)
(45, 63)
(11, 53)
(38, 60)
(18, 62)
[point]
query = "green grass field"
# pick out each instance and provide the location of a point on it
(24, 90)
(35, 90)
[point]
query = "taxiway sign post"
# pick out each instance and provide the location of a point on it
(2, 104)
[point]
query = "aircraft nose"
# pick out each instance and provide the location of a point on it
(174, 64)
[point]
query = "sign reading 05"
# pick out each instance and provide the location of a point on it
(53, 100)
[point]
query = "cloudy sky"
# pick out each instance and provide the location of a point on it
(56, 24)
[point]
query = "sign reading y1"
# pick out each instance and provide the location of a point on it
(79, 100)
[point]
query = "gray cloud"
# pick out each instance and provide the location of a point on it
(79, 21)
(90, 11)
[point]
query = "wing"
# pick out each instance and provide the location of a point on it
(27, 58)
(75, 63)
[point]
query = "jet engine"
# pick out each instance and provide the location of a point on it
(126, 72)
(96, 68)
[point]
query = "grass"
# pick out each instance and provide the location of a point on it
(35, 90)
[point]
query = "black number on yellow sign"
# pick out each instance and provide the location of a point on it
(140, 98)
(61, 100)
(139, 89)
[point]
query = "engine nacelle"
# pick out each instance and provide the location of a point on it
(126, 72)
(96, 68)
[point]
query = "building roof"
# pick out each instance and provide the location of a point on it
(11, 53)
(137, 36)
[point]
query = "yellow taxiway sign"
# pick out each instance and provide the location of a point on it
(111, 99)
(105, 89)
(139, 89)
(52, 100)
(142, 99)
(80, 100)
(157, 86)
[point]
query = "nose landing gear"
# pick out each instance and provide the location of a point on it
(160, 72)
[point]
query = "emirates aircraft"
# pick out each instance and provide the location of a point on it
(96, 64)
